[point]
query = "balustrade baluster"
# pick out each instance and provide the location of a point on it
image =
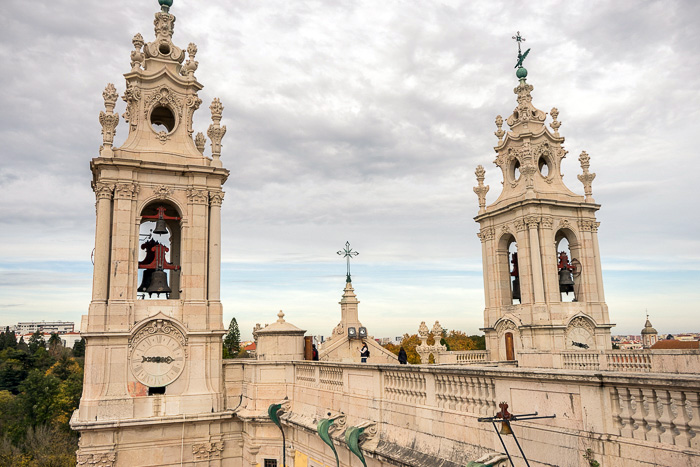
(693, 399)
(667, 416)
(682, 420)
(638, 414)
(627, 427)
(652, 415)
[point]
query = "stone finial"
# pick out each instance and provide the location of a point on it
(280, 317)
(216, 132)
(200, 141)
(481, 189)
(109, 120)
(423, 330)
(555, 123)
(586, 177)
(437, 330)
(499, 133)
(137, 56)
(191, 64)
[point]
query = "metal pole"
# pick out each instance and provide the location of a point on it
(516, 442)
(503, 444)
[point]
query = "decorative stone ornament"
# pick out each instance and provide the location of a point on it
(200, 141)
(109, 120)
(555, 123)
(481, 189)
(191, 64)
(216, 132)
(137, 56)
(586, 177)
(499, 133)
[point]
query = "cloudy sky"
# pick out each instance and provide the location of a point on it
(363, 121)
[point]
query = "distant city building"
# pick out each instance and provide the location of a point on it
(43, 326)
(649, 335)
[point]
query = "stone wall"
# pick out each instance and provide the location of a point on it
(431, 411)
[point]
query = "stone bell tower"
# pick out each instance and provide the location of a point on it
(542, 277)
(154, 324)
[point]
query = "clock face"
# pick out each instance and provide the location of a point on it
(157, 360)
(580, 339)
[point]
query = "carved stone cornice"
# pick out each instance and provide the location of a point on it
(197, 196)
(126, 191)
(98, 459)
(204, 451)
(486, 233)
(103, 190)
(216, 198)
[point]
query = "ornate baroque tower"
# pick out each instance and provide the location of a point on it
(154, 325)
(542, 276)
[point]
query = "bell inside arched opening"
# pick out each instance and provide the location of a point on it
(514, 271)
(159, 253)
(568, 269)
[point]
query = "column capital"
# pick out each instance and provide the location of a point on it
(197, 196)
(103, 190)
(216, 197)
(532, 221)
(486, 233)
(126, 191)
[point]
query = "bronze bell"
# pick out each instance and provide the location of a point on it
(566, 282)
(146, 281)
(161, 227)
(159, 283)
(516, 288)
(505, 428)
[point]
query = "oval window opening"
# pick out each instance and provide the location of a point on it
(164, 49)
(544, 167)
(516, 170)
(162, 119)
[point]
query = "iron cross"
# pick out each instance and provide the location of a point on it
(348, 253)
(521, 56)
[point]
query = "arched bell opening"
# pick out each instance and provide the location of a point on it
(159, 252)
(569, 266)
(509, 270)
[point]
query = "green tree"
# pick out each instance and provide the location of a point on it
(232, 340)
(37, 397)
(14, 368)
(36, 341)
(55, 345)
(79, 348)
(22, 346)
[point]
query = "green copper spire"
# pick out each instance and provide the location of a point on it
(521, 72)
(165, 5)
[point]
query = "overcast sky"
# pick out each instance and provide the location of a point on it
(363, 121)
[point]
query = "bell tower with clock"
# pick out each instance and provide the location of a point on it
(542, 275)
(154, 324)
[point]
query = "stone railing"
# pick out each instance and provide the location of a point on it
(405, 386)
(628, 360)
(657, 414)
(465, 394)
(621, 361)
(465, 357)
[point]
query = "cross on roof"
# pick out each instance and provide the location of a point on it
(348, 253)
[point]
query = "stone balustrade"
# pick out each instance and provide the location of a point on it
(426, 407)
(623, 361)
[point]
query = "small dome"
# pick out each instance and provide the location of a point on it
(648, 329)
(281, 327)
